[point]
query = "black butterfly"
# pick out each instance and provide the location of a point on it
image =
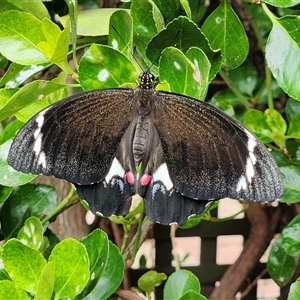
(188, 152)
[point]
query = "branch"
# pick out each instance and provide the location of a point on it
(263, 221)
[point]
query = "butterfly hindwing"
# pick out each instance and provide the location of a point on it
(75, 139)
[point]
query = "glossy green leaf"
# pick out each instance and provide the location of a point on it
(71, 268)
(293, 147)
(10, 130)
(292, 108)
(31, 234)
(256, 122)
(291, 179)
(179, 283)
(281, 266)
(46, 282)
(170, 9)
(104, 67)
(245, 78)
(186, 7)
(55, 95)
(294, 292)
(5, 191)
(34, 7)
(17, 74)
(147, 21)
(294, 128)
(25, 201)
(8, 175)
(181, 33)
(111, 277)
(291, 237)
(283, 53)
(120, 32)
(9, 290)
(277, 124)
(23, 264)
(282, 3)
(98, 257)
(151, 279)
(192, 295)
(20, 34)
(225, 31)
(86, 24)
(30, 93)
(174, 65)
(222, 103)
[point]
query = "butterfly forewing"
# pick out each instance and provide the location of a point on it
(212, 156)
(75, 139)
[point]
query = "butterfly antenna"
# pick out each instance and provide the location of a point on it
(129, 50)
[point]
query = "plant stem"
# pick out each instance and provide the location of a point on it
(230, 84)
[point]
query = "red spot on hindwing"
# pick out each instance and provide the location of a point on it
(129, 176)
(145, 179)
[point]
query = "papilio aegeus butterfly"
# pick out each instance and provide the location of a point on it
(188, 152)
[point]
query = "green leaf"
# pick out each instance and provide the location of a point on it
(46, 282)
(283, 53)
(9, 290)
(281, 266)
(245, 78)
(278, 126)
(293, 147)
(151, 279)
(104, 67)
(34, 7)
(18, 74)
(170, 9)
(291, 179)
(282, 3)
(183, 76)
(98, 257)
(292, 108)
(294, 292)
(122, 22)
(111, 277)
(31, 234)
(147, 21)
(256, 122)
(71, 268)
(179, 283)
(55, 95)
(10, 130)
(9, 176)
(25, 201)
(23, 264)
(5, 191)
(32, 92)
(86, 24)
(291, 237)
(294, 129)
(20, 34)
(225, 31)
(192, 295)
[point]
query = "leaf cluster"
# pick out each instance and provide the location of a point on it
(191, 48)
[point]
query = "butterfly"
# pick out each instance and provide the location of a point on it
(187, 152)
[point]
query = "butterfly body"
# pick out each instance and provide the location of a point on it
(187, 151)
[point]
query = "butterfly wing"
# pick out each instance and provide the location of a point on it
(75, 139)
(209, 155)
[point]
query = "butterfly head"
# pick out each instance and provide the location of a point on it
(147, 80)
